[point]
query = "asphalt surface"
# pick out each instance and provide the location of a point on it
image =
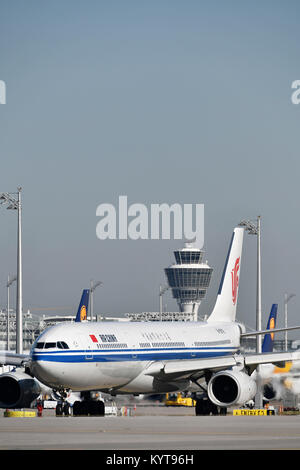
(151, 428)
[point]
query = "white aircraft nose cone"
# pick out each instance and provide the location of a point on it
(44, 372)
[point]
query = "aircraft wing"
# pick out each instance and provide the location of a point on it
(253, 360)
(195, 368)
(8, 358)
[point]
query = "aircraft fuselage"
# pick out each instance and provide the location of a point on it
(115, 356)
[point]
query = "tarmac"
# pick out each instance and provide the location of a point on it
(150, 428)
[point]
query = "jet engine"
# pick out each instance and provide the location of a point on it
(18, 390)
(231, 387)
(269, 392)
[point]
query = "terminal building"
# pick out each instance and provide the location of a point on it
(32, 327)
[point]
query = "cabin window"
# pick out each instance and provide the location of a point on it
(40, 345)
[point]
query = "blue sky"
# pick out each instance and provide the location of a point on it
(161, 101)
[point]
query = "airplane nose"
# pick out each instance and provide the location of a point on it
(42, 370)
(37, 369)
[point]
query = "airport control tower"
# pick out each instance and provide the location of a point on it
(189, 278)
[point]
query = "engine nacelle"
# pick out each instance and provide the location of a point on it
(18, 390)
(231, 387)
(269, 392)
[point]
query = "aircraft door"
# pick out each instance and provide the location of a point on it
(87, 347)
(89, 353)
(134, 353)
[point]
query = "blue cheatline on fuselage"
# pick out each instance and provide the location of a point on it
(94, 355)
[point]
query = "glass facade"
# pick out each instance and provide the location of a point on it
(188, 256)
(189, 294)
(189, 278)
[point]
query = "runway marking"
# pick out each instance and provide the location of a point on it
(274, 434)
(203, 433)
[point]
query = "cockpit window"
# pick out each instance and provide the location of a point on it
(49, 345)
(62, 345)
(59, 344)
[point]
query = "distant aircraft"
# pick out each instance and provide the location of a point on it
(266, 370)
(155, 357)
(279, 377)
(268, 341)
(83, 306)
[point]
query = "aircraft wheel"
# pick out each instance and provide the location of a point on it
(75, 408)
(66, 409)
(201, 408)
(88, 408)
(78, 408)
(101, 407)
(58, 409)
(214, 409)
(96, 408)
(204, 407)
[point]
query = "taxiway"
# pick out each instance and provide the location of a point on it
(158, 428)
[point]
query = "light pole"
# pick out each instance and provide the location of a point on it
(286, 299)
(254, 229)
(162, 290)
(14, 202)
(9, 283)
(92, 289)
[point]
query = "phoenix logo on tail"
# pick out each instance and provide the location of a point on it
(83, 306)
(83, 313)
(268, 342)
(235, 280)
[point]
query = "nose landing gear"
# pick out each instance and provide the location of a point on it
(62, 407)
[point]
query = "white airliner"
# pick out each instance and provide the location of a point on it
(153, 357)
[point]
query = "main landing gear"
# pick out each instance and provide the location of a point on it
(88, 406)
(205, 407)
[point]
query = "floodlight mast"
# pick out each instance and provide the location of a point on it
(14, 203)
(162, 290)
(254, 229)
(92, 289)
(19, 319)
(287, 297)
(9, 283)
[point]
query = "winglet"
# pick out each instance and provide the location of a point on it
(83, 306)
(225, 307)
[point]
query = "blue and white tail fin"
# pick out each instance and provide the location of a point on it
(268, 342)
(225, 306)
(83, 306)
